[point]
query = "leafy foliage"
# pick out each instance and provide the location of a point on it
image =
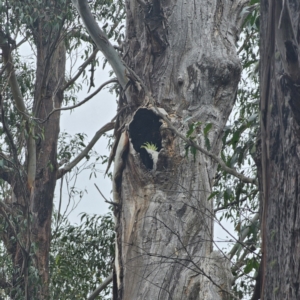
(236, 201)
(81, 256)
(193, 129)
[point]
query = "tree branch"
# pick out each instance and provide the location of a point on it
(107, 201)
(78, 34)
(3, 70)
(81, 69)
(235, 202)
(6, 173)
(142, 3)
(286, 40)
(101, 287)
(83, 101)
(12, 79)
(117, 22)
(5, 215)
(242, 10)
(241, 262)
(68, 167)
(4, 284)
(101, 40)
(211, 155)
(11, 143)
(19, 102)
(24, 40)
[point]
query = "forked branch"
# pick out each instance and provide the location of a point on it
(81, 69)
(113, 80)
(68, 167)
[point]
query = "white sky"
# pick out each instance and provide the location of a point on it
(88, 119)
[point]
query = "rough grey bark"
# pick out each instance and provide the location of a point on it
(280, 121)
(185, 53)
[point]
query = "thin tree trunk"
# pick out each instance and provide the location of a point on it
(280, 123)
(185, 53)
(42, 201)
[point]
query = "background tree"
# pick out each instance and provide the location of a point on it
(280, 148)
(81, 257)
(31, 98)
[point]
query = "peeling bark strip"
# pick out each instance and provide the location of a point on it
(184, 52)
(280, 123)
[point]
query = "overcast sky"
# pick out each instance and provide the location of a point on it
(88, 119)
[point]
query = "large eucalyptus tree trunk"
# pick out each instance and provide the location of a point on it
(185, 54)
(280, 124)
